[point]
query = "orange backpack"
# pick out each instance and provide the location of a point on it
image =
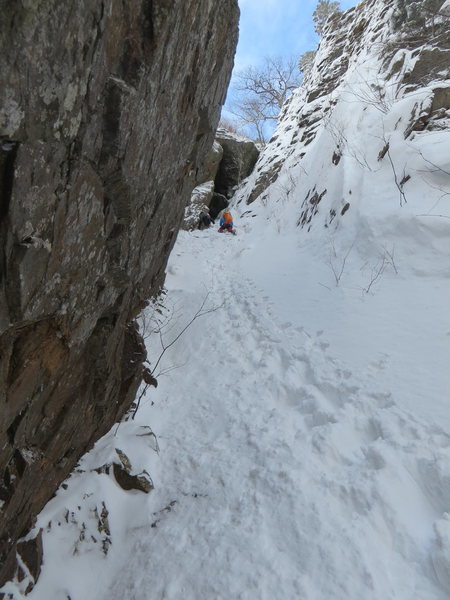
(227, 217)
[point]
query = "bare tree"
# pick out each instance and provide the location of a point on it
(262, 91)
(230, 125)
(251, 116)
(324, 9)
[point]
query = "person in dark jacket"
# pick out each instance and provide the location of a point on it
(204, 220)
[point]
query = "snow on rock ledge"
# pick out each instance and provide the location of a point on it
(377, 88)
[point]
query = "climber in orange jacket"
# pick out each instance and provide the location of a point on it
(226, 222)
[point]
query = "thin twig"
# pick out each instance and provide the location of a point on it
(399, 187)
(437, 167)
(169, 369)
(338, 275)
(200, 313)
(442, 216)
(138, 403)
(377, 271)
(390, 255)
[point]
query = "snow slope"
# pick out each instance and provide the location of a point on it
(284, 470)
(302, 425)
(356, 183)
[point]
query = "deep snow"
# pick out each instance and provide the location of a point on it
(290, 464)
(302, 426)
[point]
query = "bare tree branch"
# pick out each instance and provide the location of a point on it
(262, 91)
(336, 265)
(149, 373)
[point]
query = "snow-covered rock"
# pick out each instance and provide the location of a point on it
(209, 170)
(199, 203)
(239, 157)
(377, 81)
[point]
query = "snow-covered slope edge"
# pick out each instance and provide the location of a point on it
(356, 181)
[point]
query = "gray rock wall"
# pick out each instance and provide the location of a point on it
(239, 157)
(107, 110)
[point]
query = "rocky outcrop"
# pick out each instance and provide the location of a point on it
(217, 204)
(230, 160)
(211, 165)
(199, 203)
(102, 130)
(239, 157)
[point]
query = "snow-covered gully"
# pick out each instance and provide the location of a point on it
(282, 473)
(297, 446)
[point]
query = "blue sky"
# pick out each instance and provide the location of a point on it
(276, 28)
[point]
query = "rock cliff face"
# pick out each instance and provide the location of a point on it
(387, 59)
(107, 111)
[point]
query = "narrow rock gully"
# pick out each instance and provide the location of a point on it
(281, 473)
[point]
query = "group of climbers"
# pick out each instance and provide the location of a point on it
(226, 222)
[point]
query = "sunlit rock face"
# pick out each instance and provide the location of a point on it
(108, 110)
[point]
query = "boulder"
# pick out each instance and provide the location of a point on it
(239, 157)
(211, 166)
(430, 64)
(441, 99)
(217, 204)
(31, 554)
(126, 479)
(200, 199)
(141, 483)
